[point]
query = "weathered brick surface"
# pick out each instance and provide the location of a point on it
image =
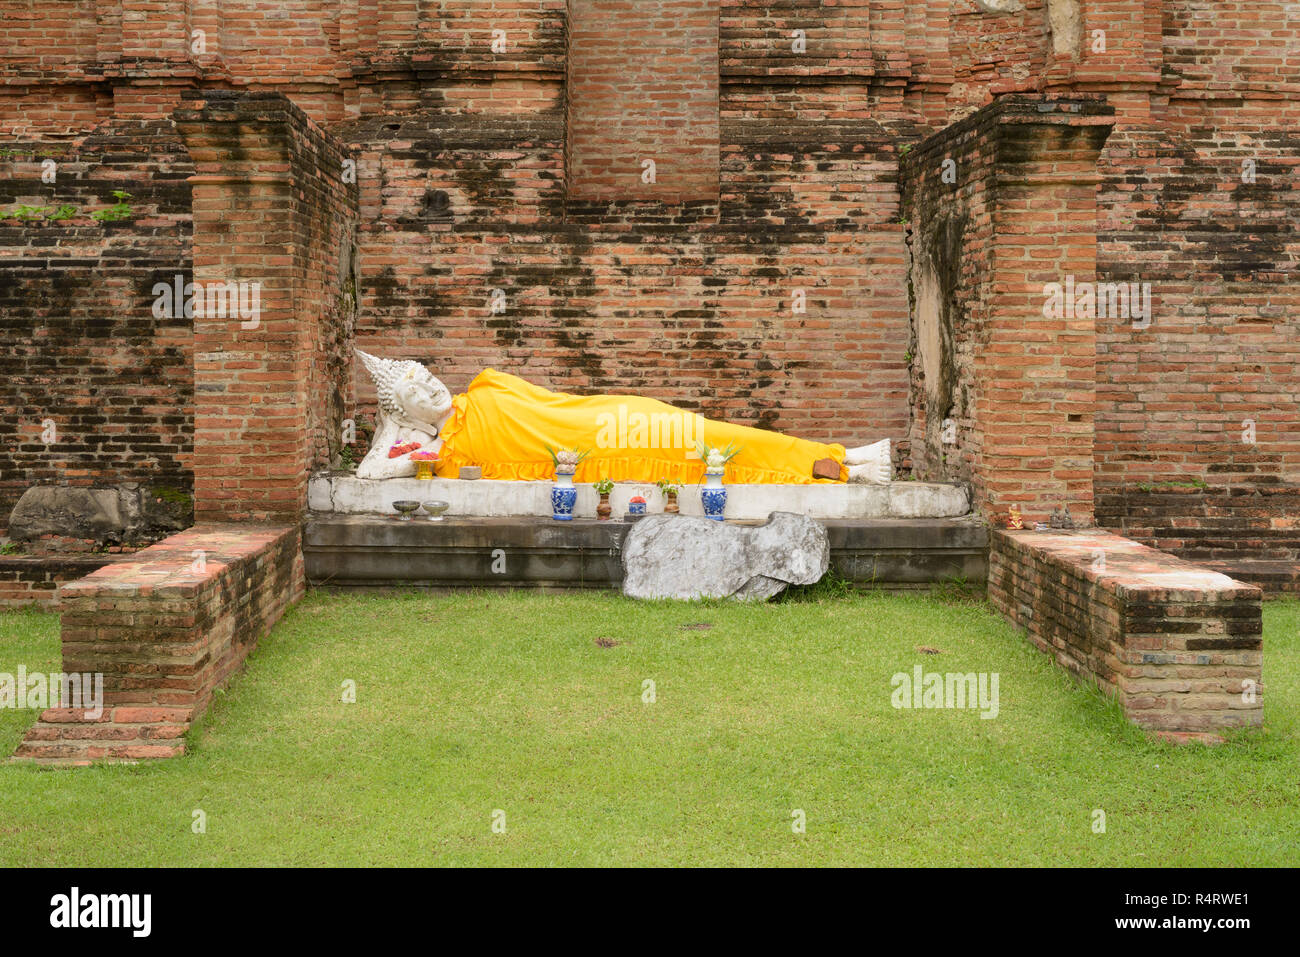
(1178, 645)
(999, 205)
(165, 631)
(34, 580)
(272, 207)
(1200, 198)
(82, 348)
(690, 301)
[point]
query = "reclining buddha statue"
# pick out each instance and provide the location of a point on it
(512, 430)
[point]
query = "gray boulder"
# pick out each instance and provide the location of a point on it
(120, 513)
(678, 556)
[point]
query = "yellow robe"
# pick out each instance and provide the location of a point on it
(505, 425)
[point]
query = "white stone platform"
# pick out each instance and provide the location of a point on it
(343, 493)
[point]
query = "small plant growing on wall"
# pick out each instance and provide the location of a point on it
(118, 211)
(26, 213)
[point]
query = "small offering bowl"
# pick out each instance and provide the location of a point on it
(405, 507)
(435, 510)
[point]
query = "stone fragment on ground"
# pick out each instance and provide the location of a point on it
(683, 557)
(125, 512)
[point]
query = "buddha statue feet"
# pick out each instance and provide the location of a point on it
(870, 464)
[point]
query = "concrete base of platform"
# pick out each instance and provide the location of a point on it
(370, 552)
(342, 493)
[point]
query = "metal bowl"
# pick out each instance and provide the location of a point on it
(435, 510)
(404, 508)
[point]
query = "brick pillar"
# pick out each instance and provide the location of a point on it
(205, 15)
(1000, 206)
(108, 30)
(1038, 375)
(271, 208)
(1111, 46)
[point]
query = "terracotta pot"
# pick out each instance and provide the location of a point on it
(671, 505)
(604, 509)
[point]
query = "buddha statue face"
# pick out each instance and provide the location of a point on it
(408, 391)
(422, 399)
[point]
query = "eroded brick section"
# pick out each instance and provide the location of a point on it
(84, 349)
(165, 627)
(1178, 645)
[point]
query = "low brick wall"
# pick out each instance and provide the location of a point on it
(1180, 645)
(165, 630)
(34, 579)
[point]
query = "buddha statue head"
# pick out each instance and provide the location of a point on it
(407, 391)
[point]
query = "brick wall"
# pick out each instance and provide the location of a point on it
(1198, 441)
(165, 633)
(1180, 647)
(48, 84)
(643, 89)
(83, 350)
(691, 304)
(33, 580)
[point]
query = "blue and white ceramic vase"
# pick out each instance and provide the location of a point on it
(714, 497)
(563, 497)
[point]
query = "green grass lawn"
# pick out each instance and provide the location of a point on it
(471, 704)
